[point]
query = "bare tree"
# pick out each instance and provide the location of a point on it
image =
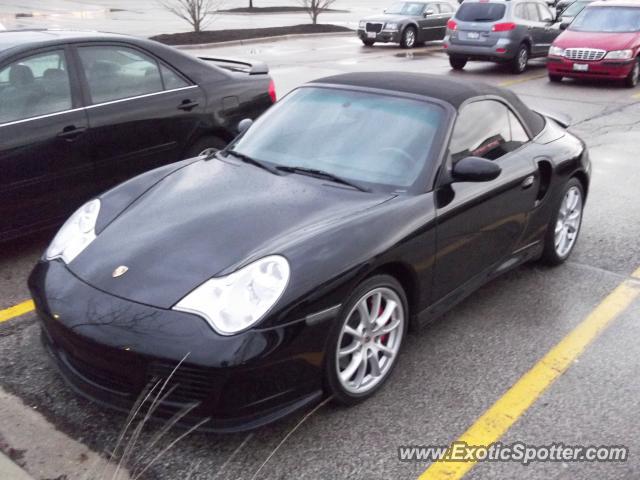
(196, 12)
(316, 7)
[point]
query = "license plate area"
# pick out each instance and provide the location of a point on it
(473, 35)
(581, 67)
(371, 34)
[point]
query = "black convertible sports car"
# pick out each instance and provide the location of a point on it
(291, 264)
(81, 112)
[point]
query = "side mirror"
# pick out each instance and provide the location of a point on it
(564, 25)
(429, 12)
(475, 169)
(244, 125)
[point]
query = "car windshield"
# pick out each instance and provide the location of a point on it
(405, 8)
(480, 12)
(607, 19)
(575, 9)
(373, 139)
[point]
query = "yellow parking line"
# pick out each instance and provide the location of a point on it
(514, 403)
(17, 310)
(637, 95)
(636, 274)
(508, 83)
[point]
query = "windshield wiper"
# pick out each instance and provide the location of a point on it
(251, 160)
(313, 172)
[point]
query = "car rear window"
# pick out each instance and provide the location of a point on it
(480, 12)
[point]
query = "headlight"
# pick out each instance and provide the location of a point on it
(362, 24)
(391, 26)
(556, 51)
(76, 233)
(233, 303)
(620, 55)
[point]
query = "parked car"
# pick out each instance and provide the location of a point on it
(292, 264)
(503, 31)
(81, 112)
(407, 23)
(603, 42)
(569, 14)
(562, 5)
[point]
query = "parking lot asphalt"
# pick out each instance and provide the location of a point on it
(455, 369)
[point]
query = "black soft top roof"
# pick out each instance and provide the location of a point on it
(452, 91)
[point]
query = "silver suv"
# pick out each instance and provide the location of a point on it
(500, 31)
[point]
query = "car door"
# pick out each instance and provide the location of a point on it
(481, 224)
(141, 112)
(536, 28)
(429, 22)
(45, 166)
(549, 35)
(446, 12)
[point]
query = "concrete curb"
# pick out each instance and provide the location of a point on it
(293, 12)
(277, 38)
(9, 470)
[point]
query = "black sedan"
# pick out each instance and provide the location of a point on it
(292, 264)
(82, 112)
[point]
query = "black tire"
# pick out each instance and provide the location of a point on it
(333, 385)
(409, 37)
(368, 43)
(634, 76)
(209, 142)
(457, 63)
(549, 254)
(555, 78)
(519, 62)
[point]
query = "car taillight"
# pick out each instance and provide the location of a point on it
(503, 27)
(272, 91)
(452, 25)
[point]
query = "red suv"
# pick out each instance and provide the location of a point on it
(602, 42)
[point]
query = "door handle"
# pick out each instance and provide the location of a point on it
(528, 182)
(71, 132)
(187, 105)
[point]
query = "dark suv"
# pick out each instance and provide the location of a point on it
(500, 31)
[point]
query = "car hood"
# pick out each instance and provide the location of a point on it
(206, 220)
(385, 18)
(602, 41)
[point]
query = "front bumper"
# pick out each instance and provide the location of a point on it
(111, 350)
(617, 70)
(385, 36)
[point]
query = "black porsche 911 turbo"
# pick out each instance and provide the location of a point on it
(292, 264)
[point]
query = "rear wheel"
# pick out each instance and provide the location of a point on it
(457, 63)
(520, 61)
(366, 341)
(564, 227)
(632, 79)
(205, 146)
(408, 37)
(368, 43)
(555, 78)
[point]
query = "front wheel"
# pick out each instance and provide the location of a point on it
(564, 227)
(366, 340)
(555, 78)
(368, 43)
(408, 38)
(632, 79)
(520, 61)
(457, 63)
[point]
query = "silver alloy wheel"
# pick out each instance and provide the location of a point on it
(568, 223)
(523, 58)
(409, 37)
(370, 340)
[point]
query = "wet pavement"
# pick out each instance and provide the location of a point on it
(450, 372)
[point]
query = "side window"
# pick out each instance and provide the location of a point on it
(431, 7)
(520, 11)
(486, 129)
(34, 86)
(545, 13)
(115, 72)
(445, 8)
(532, 12)
(171, 79)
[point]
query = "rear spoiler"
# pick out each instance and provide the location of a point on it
(561, 118)
(252, 68)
